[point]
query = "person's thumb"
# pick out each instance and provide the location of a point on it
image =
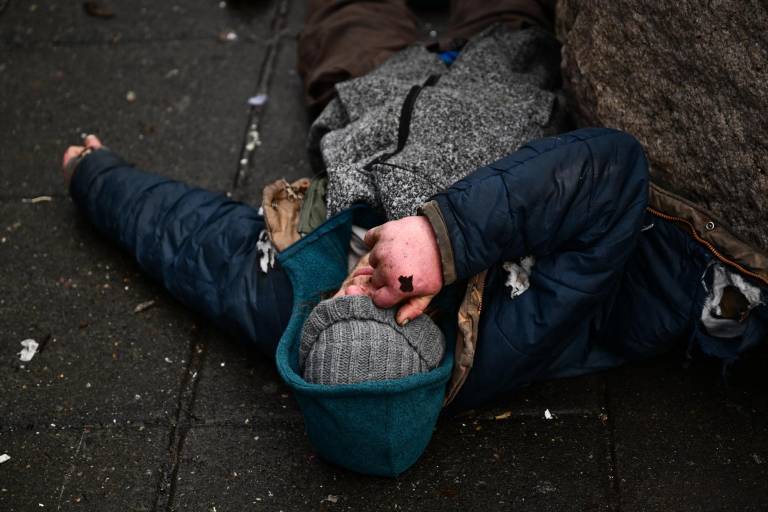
(386, 297)
(412, 308)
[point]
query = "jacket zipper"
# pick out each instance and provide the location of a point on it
(707, 244)
(404, 125)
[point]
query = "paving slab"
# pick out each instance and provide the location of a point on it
(283, 120)
(81, 469)
(39, 21)
(75, 294)
(489, 465)
(185, 120)
(282, 153)
(238, 386)
(682, 443)
(579, 396)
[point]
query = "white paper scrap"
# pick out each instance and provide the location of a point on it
(29, 350)
(258, 100)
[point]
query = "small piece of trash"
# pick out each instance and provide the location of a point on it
(144, 306)
(503, 415)
(757, 458)
(172, 73)
(130, 96)
(258, 100)
(227, 36)
(98, 9)
(331, 498)
(29, 350)
(4, 458)
(38, 199)
(548, 415)
(167, 360)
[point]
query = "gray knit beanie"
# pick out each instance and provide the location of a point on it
(348, 339)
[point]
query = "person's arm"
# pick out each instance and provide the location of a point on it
(557, 194)
(202, 246)
(554, 194)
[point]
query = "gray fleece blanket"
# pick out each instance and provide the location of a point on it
(497, 95)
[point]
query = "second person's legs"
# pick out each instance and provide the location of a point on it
(347, 39)
(468, 17)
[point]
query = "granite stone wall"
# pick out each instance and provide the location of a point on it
(690, 80)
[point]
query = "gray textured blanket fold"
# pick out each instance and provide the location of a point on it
(497, 95)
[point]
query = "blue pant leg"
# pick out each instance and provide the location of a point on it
(203, 247)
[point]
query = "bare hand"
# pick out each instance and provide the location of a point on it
(91, 142)
(404, 266)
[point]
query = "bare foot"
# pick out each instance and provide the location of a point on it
(91, 142)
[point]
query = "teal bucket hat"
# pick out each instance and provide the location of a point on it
(376, 428)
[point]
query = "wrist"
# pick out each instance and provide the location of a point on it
(431, 211)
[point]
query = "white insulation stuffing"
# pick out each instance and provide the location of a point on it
(518, 280)
(267, 252)
(710, 314)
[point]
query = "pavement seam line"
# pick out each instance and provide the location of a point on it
(71, 470)
(252, 136)
(615, 486)
(181, 423)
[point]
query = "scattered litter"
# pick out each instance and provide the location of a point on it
(433, 33)
(130, 96)
(258, 100)
(228, 36)
(331, 498)
(137, 397)
(167, 360)
(519, 275)
(88, 385)
(548, 415)
(38, 199)
(545, 487)
(98, 9)
(144, 306)
(29, 350)
(4, 458)
(757, 458)
(172, 73)
(223, 365)
(252, 141)
(504, 415)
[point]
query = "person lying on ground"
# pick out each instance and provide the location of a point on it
(563, 268)
(555, 260)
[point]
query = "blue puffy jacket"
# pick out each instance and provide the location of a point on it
(611, 283)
